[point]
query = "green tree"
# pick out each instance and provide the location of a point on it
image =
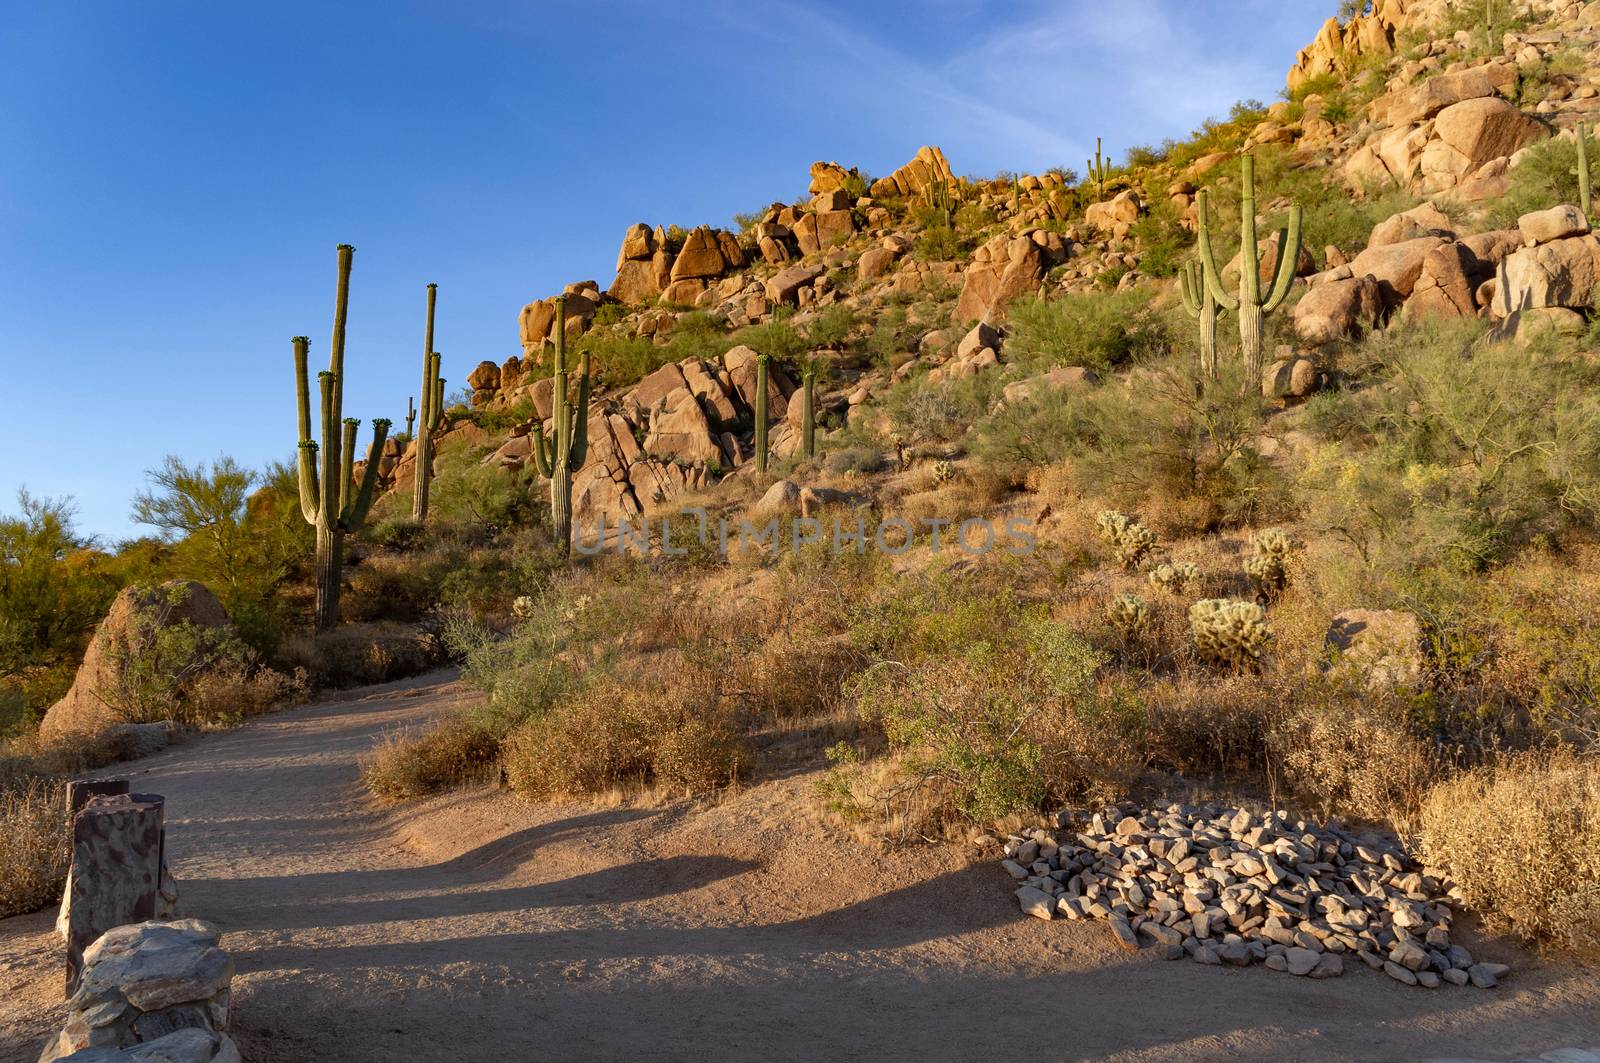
(204, 507)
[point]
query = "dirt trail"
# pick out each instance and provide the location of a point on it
(477, 927)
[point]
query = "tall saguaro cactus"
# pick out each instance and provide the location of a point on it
(808, 422)
(1099, 170)
(1202, 306)
(411, 417)
(563, 453)
(1251, 304)
(326, 497)
(1583, 168)
(432, 400)
(761, 413)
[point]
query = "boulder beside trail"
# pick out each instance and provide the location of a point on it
(136, 616)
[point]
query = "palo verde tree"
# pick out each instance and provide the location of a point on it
(563, 453)
(432, 402)
(1251, 304)
(328, 499)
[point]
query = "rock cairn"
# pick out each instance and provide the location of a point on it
(1223, 885)
(150, 991)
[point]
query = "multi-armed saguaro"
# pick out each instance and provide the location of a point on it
(326, 497)
(1202, 306)
(761, 413)
(1099, 170)
(432, 403)
(562, 455)
(1251, 304)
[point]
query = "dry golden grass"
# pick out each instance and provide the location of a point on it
(358, 654)
(1522, 840)
(35, 846)
(410, 764)
(227, 696)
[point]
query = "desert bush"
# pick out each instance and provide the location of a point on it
(619, 360)
(620, 733)
(1045, 428)
(409, 764)
(1472, 449)
(360, 654)
(696, 335)
(1353, 753)
(35, 846)
(233, 692)
(467, 492)
(777, 338)
(832, 327)
(924, 411)
(1099, 331)
(995, 716)
(1522, 841)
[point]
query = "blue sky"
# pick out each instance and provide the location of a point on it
(174, 175)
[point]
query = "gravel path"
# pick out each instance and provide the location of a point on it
(477, 927)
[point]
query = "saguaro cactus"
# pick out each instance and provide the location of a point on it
(411, 417)
(808, 423)
(1202, 306)
(1251, 304)
(1099, 170)
(1583, 168)
(761, 413)
(326, 498)
(563, 453)
(432, 400)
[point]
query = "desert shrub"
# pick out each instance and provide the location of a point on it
(923, 411)
(995, 715)
(396, 533)
(1522, 841)
(1354, 753)
(1043, 429)
(621, 733)
(408, 764)
(1174, 439)
(832, 327)
(467, 492)
(35, 846)
(1546, 177)
(1472, 450)
(619, 360)
(241, 688)
(1095, 330)
(361, 654)
(861, 459)
(892, 334)
(777, 338)
(696, 335)
(1164, 242)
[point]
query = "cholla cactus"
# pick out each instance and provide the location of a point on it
(523, 606)
(1230, 633)
(1269, 568)
(943, 472)
(1175, 577)
(1129, 614)
(1129, 540)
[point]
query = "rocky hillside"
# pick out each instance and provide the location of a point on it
(1420, 103)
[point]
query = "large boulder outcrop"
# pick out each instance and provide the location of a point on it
(1115, 215)
(1396, 267)
(1003, 269)
(1423, 101)
(1336, 45)
(1469, 134)
(1445, 287)
(98, 699)
(1560, 273)
(927, 167)
(1339, 309)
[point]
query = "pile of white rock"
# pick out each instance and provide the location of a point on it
(1224, 885)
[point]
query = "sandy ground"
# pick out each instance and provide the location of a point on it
(478, 927)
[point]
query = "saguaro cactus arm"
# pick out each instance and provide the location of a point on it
(1192, 285)
(1208, 261)
(356, 510)
(579, 449)
(1288, 262)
